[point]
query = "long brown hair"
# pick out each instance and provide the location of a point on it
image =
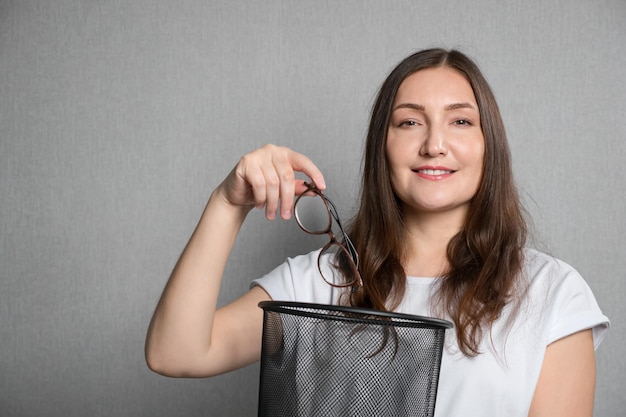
(485, 256)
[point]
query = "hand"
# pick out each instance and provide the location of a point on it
(266, 178)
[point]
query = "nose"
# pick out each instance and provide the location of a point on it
(434, 143)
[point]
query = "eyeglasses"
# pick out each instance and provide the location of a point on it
(314, 213)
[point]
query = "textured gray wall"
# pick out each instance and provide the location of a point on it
(118, 118)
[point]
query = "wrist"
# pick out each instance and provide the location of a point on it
(222, 203)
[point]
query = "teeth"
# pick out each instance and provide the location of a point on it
(434, 171)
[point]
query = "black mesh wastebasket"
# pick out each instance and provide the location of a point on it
(322, 360)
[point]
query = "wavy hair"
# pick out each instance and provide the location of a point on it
(485, 257)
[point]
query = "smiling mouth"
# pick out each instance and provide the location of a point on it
(433, 171)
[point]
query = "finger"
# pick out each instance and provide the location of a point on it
(287, 187)
(301, 163)
(272, 189)
(251, 173)
(270, 171)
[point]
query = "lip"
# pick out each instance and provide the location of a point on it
(433, 173)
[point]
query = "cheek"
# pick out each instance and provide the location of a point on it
(396, 152)
(391, 156)
(480, 159)
(392, 167)
(397, 175)
(474, 154)
(479, 168)
(472, 158)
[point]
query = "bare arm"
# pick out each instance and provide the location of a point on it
(567, 380)
(187, 336)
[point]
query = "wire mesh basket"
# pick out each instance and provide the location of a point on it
(323, 360)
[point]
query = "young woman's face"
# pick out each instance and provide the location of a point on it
(435, 144)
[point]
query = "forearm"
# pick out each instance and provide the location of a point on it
(179, 335)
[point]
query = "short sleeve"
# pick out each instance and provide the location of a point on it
(570, 305)
(298, 279)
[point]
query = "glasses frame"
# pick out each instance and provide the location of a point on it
(347, 246)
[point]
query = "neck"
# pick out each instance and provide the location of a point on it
(428, 235)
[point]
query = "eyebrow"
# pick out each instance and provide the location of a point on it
(460, 106)
(419, 107)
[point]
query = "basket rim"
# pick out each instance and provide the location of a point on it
(291, 307)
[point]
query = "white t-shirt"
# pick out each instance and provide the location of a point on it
(501, 380)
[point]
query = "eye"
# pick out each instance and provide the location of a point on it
(408, 123)
(463, 122)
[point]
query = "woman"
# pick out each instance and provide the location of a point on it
(439, 232)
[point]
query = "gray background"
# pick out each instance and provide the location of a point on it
(117, 119)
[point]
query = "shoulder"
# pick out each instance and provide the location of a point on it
(547, 276)
(541, 264)
(545, 273)
(560, 297)
(299, 279)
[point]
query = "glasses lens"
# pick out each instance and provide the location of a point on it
(312, 214)
(331, 275)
